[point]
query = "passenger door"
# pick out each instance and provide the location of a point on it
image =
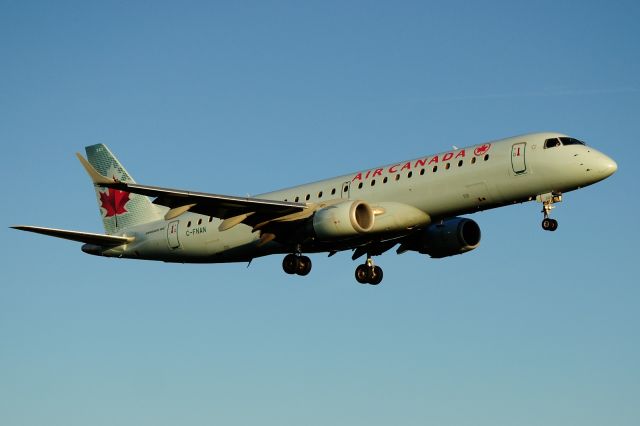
(518, 162)
(172, 234)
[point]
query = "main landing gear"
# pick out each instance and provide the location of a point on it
(547, 200)
(296, 264)
(368, 273)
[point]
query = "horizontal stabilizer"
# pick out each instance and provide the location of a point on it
(83, 237)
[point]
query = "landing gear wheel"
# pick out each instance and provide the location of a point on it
(376, 275)
(296, 264)
(362, 274)
(304, 266)
(369, 274)
(549, 224)
(290, 264)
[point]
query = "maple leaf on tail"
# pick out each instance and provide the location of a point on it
(114, 201)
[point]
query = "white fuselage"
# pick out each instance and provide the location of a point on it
(442, 185)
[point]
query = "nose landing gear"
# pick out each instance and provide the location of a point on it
(547, 200)
(368, 273)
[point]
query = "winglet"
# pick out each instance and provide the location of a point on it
(96, 177)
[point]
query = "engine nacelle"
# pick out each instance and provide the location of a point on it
(343, 220)
(453, 236)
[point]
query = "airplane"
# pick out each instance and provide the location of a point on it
(415, 204)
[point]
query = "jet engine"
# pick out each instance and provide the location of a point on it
(453, 236)
(343, 220)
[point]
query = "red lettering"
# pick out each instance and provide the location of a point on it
(378, 172)
(434, 160)
(367, 175)
(407, 166)
(448, 156)
(460, 154)
(358, 176)
(420, 163)
(393, 168)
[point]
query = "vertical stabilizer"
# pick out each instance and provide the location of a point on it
(119, 209)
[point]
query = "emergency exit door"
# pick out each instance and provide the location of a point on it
(518, 162)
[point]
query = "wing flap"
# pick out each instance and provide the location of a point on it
(83, 237)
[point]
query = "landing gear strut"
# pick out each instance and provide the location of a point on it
(296, 264)
(547, 200)
(368, 273)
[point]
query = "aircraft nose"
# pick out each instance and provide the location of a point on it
(607, 166)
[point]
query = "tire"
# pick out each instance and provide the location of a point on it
(376, 277)
(362, 274)
(303, 266)
(290, 264)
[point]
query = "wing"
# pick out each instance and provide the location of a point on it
(233, 210)
(83, 237)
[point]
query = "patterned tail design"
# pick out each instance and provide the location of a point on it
(119, 209)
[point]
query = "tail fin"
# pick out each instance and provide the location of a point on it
(119, 209)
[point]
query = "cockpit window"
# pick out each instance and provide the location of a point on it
(551, 143)
(571, 141)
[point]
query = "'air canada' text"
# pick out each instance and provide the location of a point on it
(422, 162)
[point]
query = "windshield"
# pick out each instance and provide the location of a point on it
(553, 142)
(571, 141)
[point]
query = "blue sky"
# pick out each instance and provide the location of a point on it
(245, 97)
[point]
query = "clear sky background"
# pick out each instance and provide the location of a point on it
(532, 328)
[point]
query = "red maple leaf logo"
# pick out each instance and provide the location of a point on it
(482, 149)
(114, 201)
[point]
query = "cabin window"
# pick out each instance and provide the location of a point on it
(486, 157)
(199, 221)
(210, 219)
(189, 224)
(373, 182)
(307, 197)
(421, 172)
(447, 166)
(346, 188)
(460, 163)
(410, 174)
(435, 169)
(320, 194)
(385, 180)
(397, 178)
(360, 185)
(297, 199)
(333, 191)
(473, 160)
